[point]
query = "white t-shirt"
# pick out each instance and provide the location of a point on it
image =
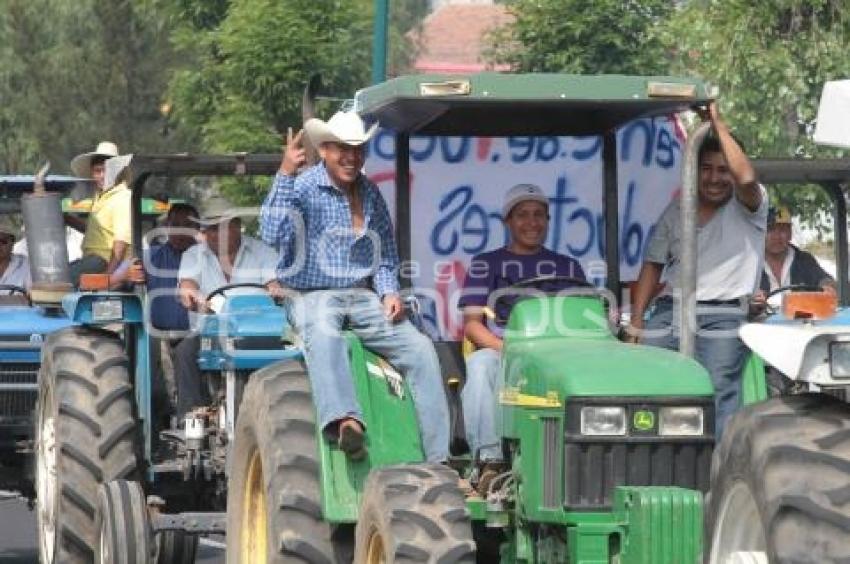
(730, 249)
(17, 273)
(255, 263)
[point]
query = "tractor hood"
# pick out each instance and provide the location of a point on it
(811, 351)
(601, 367)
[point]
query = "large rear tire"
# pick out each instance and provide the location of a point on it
(779, 483)
(274, 497)
(86, 435)
(413, 513)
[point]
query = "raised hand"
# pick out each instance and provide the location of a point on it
(294, 154)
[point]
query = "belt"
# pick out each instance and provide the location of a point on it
(359, 285)
(736, 301)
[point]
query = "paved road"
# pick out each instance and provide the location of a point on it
(18, 543)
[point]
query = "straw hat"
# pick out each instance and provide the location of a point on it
(81, 164)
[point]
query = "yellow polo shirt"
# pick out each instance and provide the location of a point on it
(109, 221)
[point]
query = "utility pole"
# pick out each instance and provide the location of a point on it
(379, 41)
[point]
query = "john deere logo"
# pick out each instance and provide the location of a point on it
(644, 420)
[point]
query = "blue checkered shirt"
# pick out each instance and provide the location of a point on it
(331, 255)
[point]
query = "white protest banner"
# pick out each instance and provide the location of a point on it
(458, 183)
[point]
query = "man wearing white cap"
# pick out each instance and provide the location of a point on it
(335, 237)
(14, 268)
(107, 232)
(525, 213)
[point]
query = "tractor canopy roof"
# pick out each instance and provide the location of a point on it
(492, 104)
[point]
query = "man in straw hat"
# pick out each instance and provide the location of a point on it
(225, 256)
(14, 268)
(107, 232)
(335, 237)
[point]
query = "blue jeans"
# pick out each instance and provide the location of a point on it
(479, 398)
(717, 348)
(319, 318)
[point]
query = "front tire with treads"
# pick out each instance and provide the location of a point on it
(413, 513)
(273, 493)
(86, 435)
(779, 483)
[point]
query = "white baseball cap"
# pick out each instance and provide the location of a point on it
(523, 193)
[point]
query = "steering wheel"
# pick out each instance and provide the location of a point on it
(549, 285)
(13, 289)
(793, 288)
(222, 289)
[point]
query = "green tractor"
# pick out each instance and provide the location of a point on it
(608, 444)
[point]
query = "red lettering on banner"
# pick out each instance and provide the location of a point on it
(483, 149)
(450, 277)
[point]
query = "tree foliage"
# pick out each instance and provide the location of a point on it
(79, 72)
(252, 65)
(582, 36)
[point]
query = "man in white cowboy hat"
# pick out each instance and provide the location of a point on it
(14, 268)
(225, 256)
(107, 232)
(335, 237)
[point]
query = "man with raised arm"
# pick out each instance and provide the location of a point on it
(731, 220)
(333, 231)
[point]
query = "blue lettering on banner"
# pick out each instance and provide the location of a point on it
(657, 142)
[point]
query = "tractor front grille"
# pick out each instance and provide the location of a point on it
(594, 466)
(18, 403)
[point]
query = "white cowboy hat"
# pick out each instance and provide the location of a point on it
(344, 127)
(81, 164)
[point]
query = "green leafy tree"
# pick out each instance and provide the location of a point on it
(582, 36)
(251, 60)
(88, 71)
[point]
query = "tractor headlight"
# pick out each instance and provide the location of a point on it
(107, 310)
(603, 420)
(680, 421)
(839, 359)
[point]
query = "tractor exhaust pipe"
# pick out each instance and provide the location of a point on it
(46, 242)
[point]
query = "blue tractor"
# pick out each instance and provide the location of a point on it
(23, 328)
(100, 436)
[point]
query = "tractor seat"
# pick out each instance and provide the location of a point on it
(453, 368)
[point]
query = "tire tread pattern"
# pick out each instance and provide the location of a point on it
(81, 370)
(420, 512)
(793, 453)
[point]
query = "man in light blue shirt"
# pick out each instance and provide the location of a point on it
(333, 231)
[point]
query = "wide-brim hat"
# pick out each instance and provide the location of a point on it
(343, 127)
(218, 210)
(523, 193)
(81, 164)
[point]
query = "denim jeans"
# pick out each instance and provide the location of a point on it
(319, 318)
(479, 398)
(717, 348)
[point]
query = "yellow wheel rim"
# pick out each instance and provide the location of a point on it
(375, 549)
(253, 547)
